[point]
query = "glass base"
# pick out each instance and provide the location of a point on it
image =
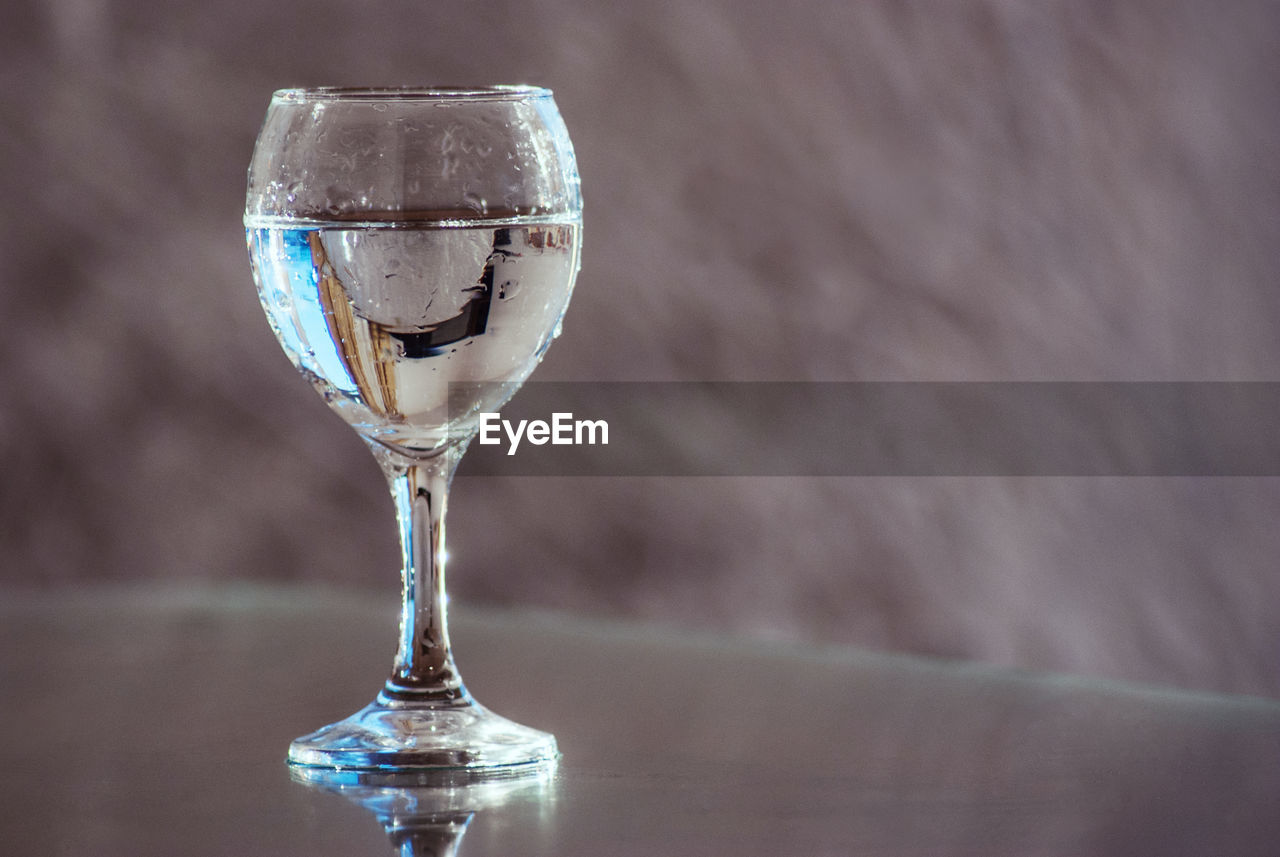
(408, 735)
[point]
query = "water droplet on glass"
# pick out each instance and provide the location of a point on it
(475, 202)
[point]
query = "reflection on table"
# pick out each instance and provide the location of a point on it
(426, 813)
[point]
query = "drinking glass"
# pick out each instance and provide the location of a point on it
(414, 251)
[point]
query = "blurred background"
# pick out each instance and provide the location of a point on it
(786, 190)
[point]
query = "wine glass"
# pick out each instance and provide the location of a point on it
(414, 251)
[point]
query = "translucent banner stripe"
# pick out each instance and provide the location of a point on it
(886, 429)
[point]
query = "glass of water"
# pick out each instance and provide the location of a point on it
(414, 251)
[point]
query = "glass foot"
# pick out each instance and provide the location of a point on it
(400, 735)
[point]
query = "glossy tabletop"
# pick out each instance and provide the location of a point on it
(139, 721)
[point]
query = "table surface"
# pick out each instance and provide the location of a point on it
(146, 721)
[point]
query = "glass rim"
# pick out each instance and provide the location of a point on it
(497, 92)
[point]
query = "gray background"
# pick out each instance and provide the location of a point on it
(777, 191)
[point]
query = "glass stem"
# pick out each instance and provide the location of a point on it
(424, 669)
